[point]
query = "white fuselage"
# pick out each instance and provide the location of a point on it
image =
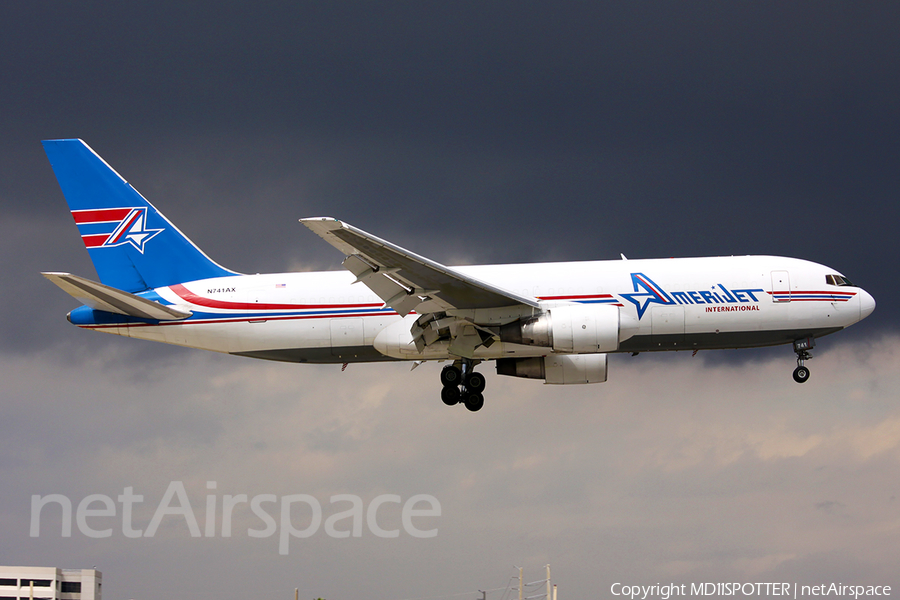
(667, 304)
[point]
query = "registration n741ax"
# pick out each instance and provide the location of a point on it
(556, 322)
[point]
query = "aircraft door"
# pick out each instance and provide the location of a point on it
(781, 286)
(667, 326)
(346, 333)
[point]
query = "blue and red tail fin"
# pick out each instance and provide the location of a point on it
(132, 245)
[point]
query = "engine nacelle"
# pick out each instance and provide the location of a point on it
(575, 328)
(561, 369)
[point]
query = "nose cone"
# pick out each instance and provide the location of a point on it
(866, 304)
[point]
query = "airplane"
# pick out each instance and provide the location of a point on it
(555, 322)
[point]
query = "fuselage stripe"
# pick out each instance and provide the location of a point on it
(577, 297)
(813, 296)
(585, 299)
(243, 319)
(189, 296)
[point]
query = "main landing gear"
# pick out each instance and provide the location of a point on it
(462, 384)
(802, 348)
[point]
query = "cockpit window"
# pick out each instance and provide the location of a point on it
(838, 280)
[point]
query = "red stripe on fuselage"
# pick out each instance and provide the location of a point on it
(580, 297)
(826, 293)
(186, 294)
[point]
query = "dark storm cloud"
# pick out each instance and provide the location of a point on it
(472, 132)
(468, 69)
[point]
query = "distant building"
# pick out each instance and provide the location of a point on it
(17, 583)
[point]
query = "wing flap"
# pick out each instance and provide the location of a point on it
(109, 299)
(401, 298)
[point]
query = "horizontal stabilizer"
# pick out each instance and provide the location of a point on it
(109, 299)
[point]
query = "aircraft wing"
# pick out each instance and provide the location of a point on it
(109, 299)
(405, 280)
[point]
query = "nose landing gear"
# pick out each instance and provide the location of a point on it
(802, 348)
(462, 384)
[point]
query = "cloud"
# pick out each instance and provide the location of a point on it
(672, 469)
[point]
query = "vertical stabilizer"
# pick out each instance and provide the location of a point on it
(132, 245)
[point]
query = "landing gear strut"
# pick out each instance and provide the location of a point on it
(462, 384)
(802, 348)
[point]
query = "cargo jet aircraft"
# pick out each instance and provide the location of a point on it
(551, 321)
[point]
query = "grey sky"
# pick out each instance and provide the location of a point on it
(469, 132)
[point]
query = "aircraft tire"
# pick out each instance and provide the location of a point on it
(450, 395)
(451, 376)
(801, 374)
(474, 401)
(475, 382)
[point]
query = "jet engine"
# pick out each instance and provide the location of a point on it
(572, 328)
(563, 369)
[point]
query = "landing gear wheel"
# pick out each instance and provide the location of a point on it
(475, 382)
(451, 376)
(474, 401)
(801, 374)
(461, 384)
(450, 395)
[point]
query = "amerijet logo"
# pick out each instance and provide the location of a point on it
(647, 292)
(112, 227)
(651, 294)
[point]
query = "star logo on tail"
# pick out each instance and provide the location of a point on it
(132, 230)
(651, 294)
